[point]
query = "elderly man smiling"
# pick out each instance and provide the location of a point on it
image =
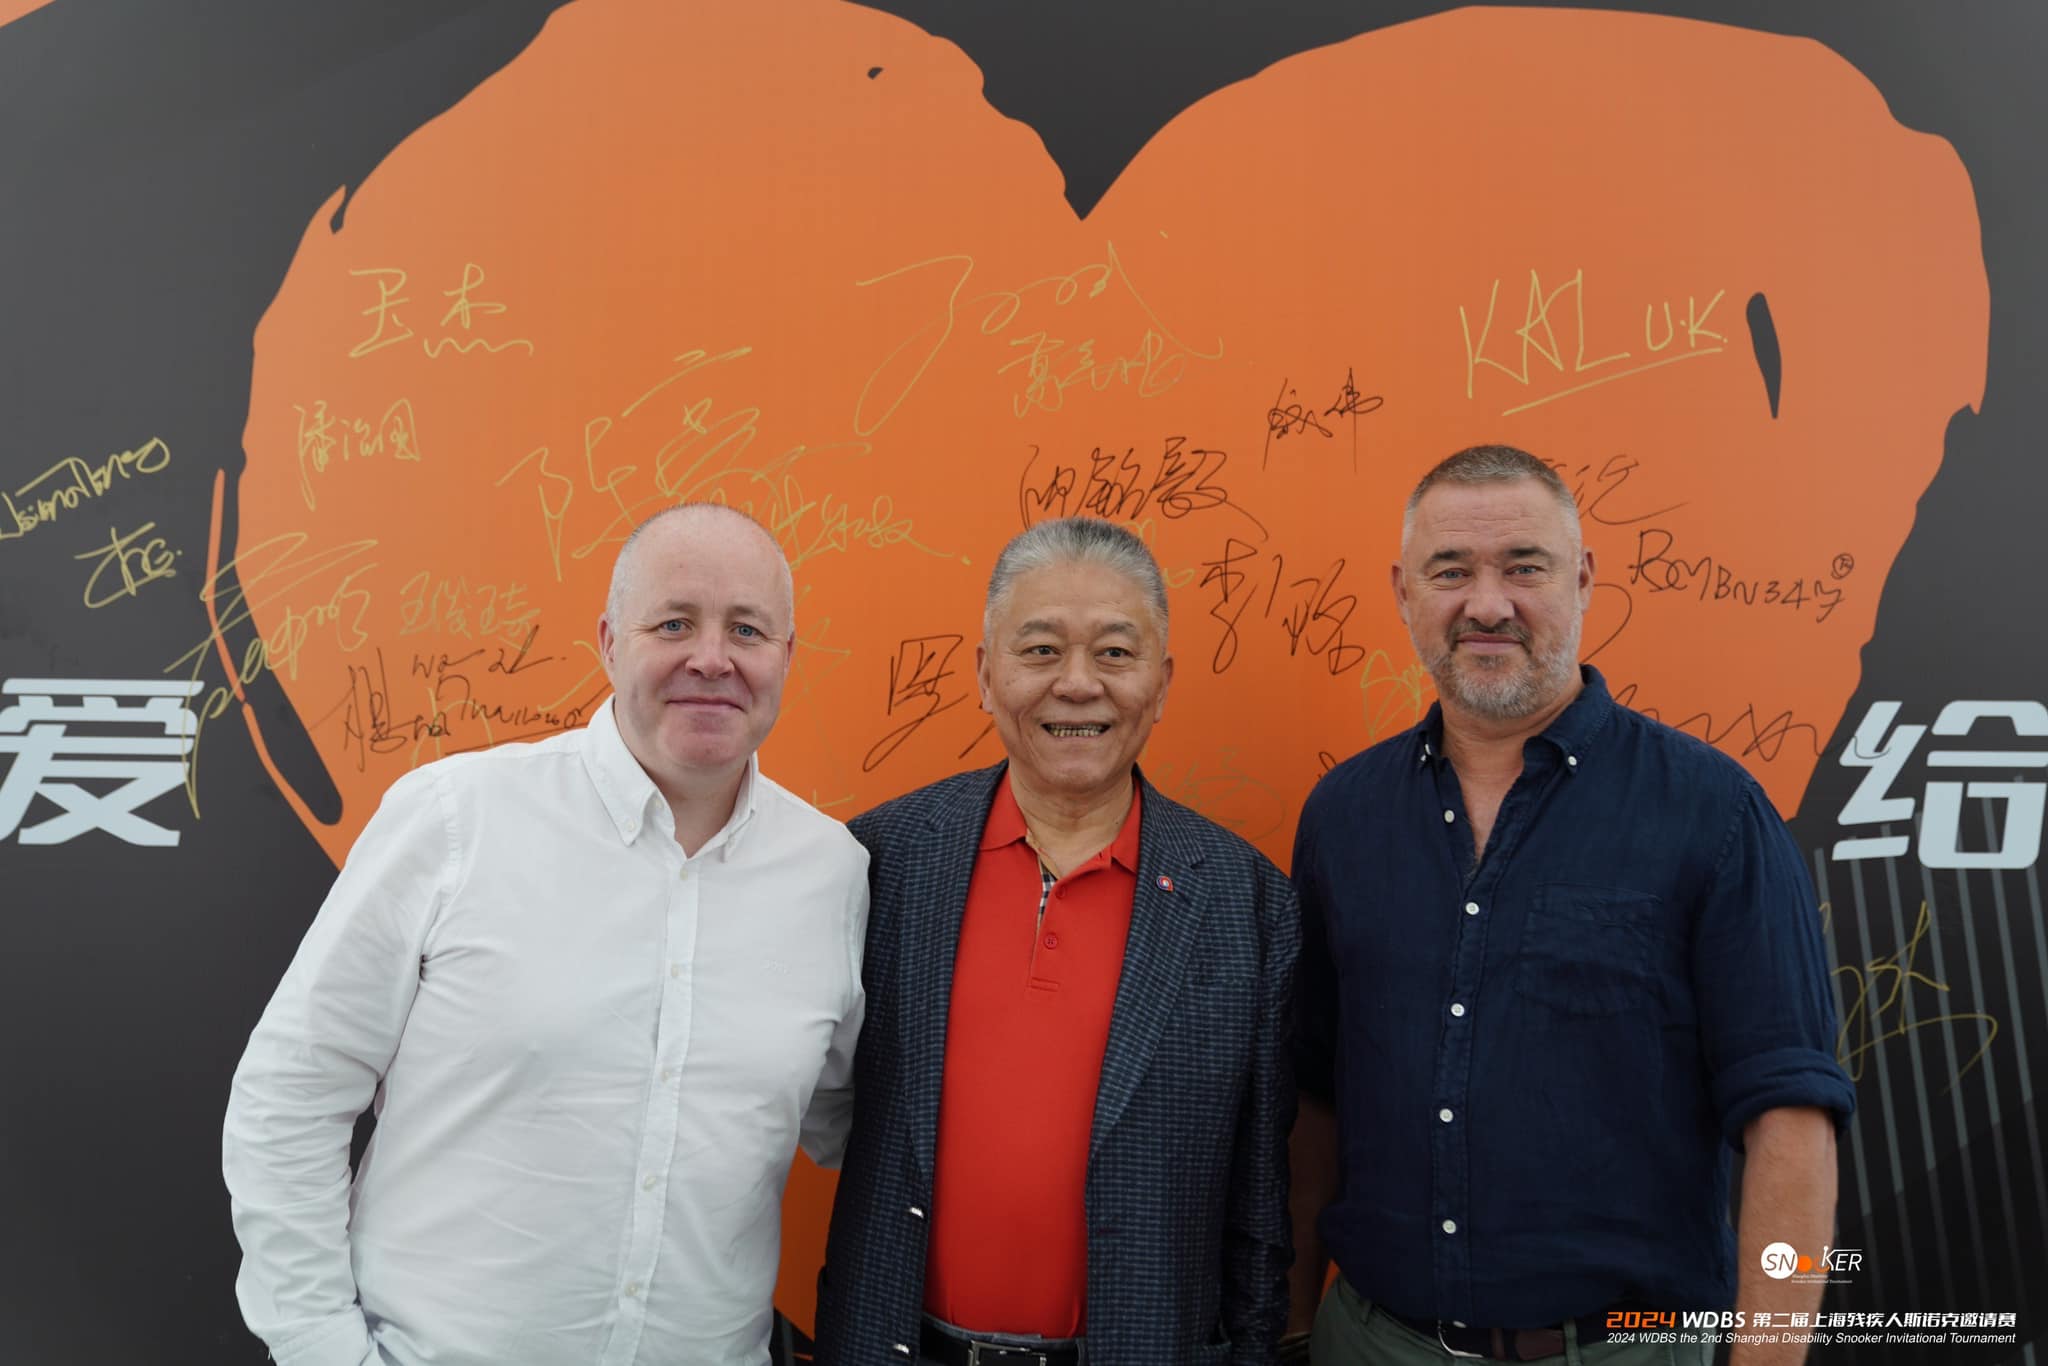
(1071, 1101)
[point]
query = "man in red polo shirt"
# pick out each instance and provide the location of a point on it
(1072, 1103)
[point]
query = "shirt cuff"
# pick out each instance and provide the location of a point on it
(1779, 1078)
(343, 1340)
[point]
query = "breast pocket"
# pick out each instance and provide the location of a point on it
(1590, 950)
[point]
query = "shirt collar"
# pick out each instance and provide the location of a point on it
(1573, 733)
(1005, 824)
(635, 804)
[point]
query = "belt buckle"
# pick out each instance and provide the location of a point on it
(1002, 1353)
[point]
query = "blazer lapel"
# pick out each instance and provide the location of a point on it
(935, 902)
(1166, 913)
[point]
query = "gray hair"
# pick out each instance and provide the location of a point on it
(622, 567)
(1490, 465)
(1069, 540)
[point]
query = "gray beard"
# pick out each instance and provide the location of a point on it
(1505, 694)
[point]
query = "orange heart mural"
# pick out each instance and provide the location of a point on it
(787, 256)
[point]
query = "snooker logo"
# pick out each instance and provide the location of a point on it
(1781, 1261)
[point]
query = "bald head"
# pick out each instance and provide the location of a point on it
(683, 521)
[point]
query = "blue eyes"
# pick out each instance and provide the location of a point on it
(744, 633)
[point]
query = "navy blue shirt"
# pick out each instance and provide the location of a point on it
(1539, 1064)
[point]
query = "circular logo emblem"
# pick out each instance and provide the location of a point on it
(1779, 1260)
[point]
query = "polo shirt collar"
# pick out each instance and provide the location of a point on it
(635, 804)
(1005, 824)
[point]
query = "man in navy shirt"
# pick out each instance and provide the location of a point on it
(1557, 961)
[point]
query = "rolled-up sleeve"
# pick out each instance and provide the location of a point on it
(313, 1065)
(1760, 976)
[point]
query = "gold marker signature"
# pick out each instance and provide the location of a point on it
(138, 564)
(1875, 1010)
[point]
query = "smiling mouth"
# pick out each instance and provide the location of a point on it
(1074, 732)
(1489, 641)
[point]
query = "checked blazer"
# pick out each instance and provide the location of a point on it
(1188, 1234)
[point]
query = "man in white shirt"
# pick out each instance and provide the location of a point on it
(596, 989)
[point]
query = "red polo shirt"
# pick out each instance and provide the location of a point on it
(1025, 1033)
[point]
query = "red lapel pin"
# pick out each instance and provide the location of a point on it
(1165, 883)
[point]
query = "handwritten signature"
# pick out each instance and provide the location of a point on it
(1875, 1012)
(323, 437)
(259, 575)
(1313, 614)
(1766, 736)
(918, 672)
(372, 724)
(1222, 790)
(1393, 698)
(1123, 484)
(1153, 364)
(453, 606)
(88, 480)
(1289, 416)
(388, 329)
(1540, 340)
(1712, 580)
(1593, 489)
(138, 562)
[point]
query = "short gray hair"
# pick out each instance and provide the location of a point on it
(1070, 540)
(1490, 465)
(622, 567)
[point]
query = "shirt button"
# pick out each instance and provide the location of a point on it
(632, 1289)
(901, 1349)
(1450, 1225)
(916, 1213)
(676, 969)
(1572, 759)
(1471, 908)
(1444, 1115)
(1052, 941)
(1450, 816)
(1458, 1008)
(648, 1184)
(669, 1073)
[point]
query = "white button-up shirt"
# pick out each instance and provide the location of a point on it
(591, 1059)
